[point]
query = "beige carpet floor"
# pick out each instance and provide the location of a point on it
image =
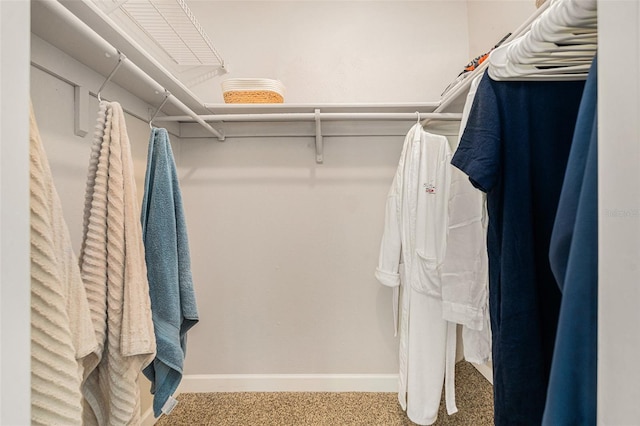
(474, 398)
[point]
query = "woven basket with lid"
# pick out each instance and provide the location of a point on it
(252, 91)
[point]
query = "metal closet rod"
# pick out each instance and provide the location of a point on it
(318, 117)
(74, 22)
(326, 116)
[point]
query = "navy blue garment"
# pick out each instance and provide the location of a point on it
(515, 148)
(571, 398)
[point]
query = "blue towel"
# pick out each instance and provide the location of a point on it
(173, 303)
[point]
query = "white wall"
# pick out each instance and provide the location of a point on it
(491, 20)
(352, 51)
(618, 190)
(339, 51)
(283, 255)
(284, 250)
(14, 213)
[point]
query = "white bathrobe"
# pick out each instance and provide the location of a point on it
(465, 271)
(411, 255)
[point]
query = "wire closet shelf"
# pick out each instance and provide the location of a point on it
(172, 26)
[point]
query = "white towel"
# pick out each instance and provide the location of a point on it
(114, 271)
(62, 336)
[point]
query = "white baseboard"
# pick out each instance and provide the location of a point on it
(486, 370)
(289, 383)
(148, 418)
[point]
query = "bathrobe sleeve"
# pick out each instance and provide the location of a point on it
(387, 271)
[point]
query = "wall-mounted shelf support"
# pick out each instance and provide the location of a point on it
(80, 111)
(319, 141)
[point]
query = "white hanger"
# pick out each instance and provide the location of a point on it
(504, 69)
(560, 45)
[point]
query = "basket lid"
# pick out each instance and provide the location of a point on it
(250, 84)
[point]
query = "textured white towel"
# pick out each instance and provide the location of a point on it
(114, 271)
(62, 336)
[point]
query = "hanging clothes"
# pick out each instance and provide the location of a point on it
(572, 395)
(515, 148)
(465, 273)
(411, 255)
(114, 272)
(173, 300)
(63, 341)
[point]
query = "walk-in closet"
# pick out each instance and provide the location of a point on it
(319, 212)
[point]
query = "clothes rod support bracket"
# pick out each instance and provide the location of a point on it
(164, 101)
(81, 122)
(121, 58)
(319, 141)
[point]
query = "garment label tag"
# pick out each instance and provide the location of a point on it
(168, 406)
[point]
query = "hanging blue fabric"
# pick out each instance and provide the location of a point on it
(515, 147)
(572, 398)
(173, 303)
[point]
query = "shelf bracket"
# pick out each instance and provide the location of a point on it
(319, 141)
(81, 111)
